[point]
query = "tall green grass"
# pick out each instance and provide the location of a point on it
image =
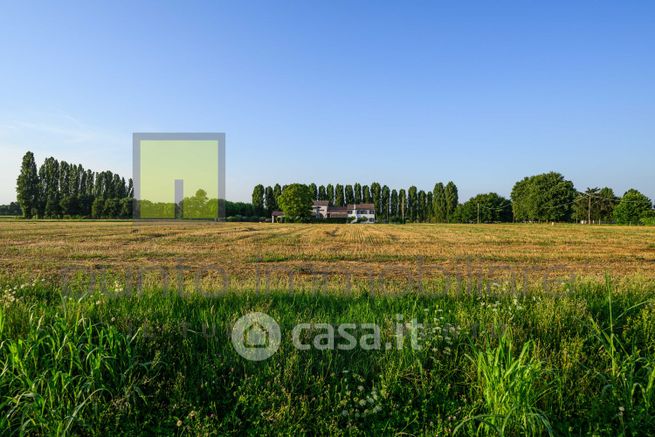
(578, 363)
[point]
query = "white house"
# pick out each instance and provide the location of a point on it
(361, 213)
(358, 213)
(321, 209)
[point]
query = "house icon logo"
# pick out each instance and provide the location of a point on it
(256, 336)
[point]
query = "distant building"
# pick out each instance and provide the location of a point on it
(362, 213)
(276, 216)
(321, 209)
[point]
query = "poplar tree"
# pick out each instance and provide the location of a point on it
(384, 201)
(269, 200)
(366, 195)
(452, 199)
(439, 203)
(330, 193)
(277, 191)
(402, 204)
(375, 194)
(313, 190)
(421, 206)
(349, 195)
(412, 203)
(358, 193)
(338, 195)
(27, 187)
(49, 176)
(393, 203)
(258, 199)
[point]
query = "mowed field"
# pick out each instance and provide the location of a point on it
(572, 356)
(498, 250)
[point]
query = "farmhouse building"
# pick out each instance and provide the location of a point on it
(321, 209)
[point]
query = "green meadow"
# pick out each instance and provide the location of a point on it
(578, 362)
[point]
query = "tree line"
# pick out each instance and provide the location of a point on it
(12, 209)
(59, 189)
(547, 197)
(392, 205)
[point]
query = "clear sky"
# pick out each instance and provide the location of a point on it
(404, 93)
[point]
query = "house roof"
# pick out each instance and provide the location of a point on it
(277, 213)
(362, 206)
(321, 203)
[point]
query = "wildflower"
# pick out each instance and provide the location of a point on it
(179, 422)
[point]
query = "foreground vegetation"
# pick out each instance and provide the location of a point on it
(577, 363)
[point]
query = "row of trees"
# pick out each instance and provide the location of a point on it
(12, 209)
(547, 197)
(412, 204)
(59, 189)
(550, 197)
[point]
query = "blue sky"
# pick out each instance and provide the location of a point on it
(404, 93)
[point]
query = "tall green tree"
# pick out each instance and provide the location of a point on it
(296, 202)
(606, 203)
(376, 191)
(322, 194)
(314, 191)
(402, 205)
(349, 194)
(412, 203)
(393, 203)
(28, 187)
(277, 191)
(339, 197)
(49, 176)
(452, 199)
(330, 193)
(632, 208)
(384, 202)
(269, 200)
(543, 197)
(421, 206)
(258, 199)
(366, 194)
(439, 207)
(357, 193)
(428, 207)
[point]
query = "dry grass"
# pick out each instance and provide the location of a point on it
(45, 248)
